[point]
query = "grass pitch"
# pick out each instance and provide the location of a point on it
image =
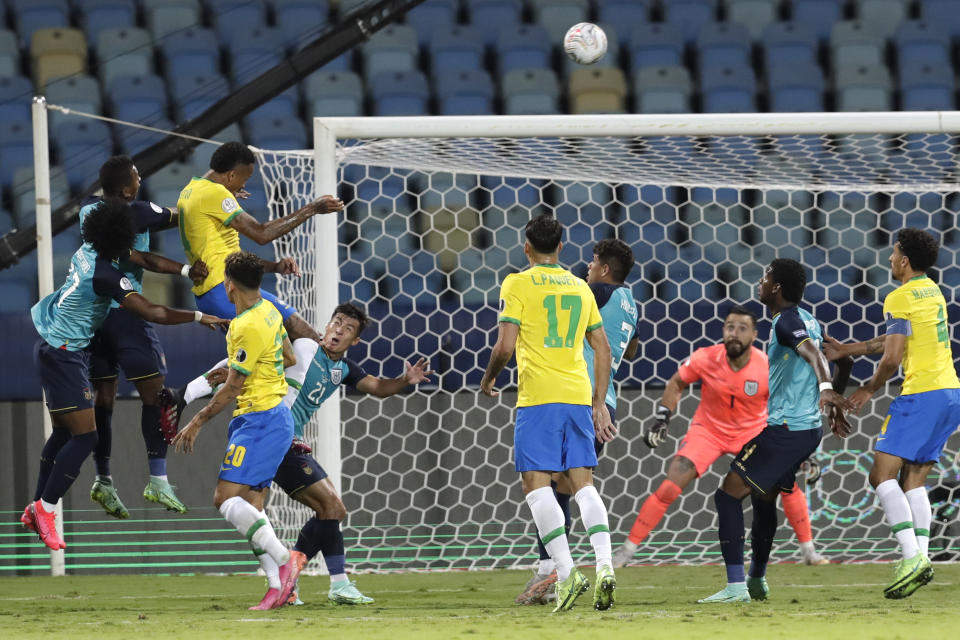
(837, 601)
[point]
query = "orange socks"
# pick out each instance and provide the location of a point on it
(653, 509)
(795, 508)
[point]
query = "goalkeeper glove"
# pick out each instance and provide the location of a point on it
(658, 431)
(300, 447)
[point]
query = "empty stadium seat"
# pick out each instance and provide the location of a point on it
(82, 146)
(97, 15)
(489, 16)
(457, 49)
(200, 161)
(795, 87)
(164, 186)
(943, 13)
(883, 16)
(301, 21)
(853, 42)
(523, 46)
(195, 92)
(557, 16)
(863, 88)
(530, 92)
(170, 16)
(728, 89)
(25, 197)
(231, 16)
(623, 16)
(124, 52)
(253, 51)
(926, 86)
(9, 54)
(432, 18)
(138, 98)
(333, 93)
(465, 93)
(31, 15)
(662, 90)
(400, 93)
(393, 48)
(598, 91)
(56, 53)
(755, 15)
(191, 50)
(688, 17)
(16, 148)
(786, 42)
(80, 93)
(284, 105)
(920, 41)
(133, 141)
(16, 94)
(655, 45)
(723, 44)
(819, 15)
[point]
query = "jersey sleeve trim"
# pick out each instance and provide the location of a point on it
(294, 383)
(510, 320)
(594, 326)
(233, 215)
(246, 372)
(807, 339)
(899, 326)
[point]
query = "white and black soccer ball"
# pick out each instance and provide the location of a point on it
(585, 43)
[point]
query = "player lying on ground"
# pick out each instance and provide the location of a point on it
(924, 415)
(126, 340)
(766, 466)
(558, 417)
(262, 426)
(606, 273)
(66, 321)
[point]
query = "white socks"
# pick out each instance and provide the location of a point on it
(594, 516)
(199, 387)
(919, 503)
(549, 520)
(546, 567)
(269, 566)
(899, 516)
(255, 526)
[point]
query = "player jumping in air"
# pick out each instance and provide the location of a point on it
(924, 415)
(66, 321)
(611, 264)
(545, 313)
(767, 464)
(262, 425)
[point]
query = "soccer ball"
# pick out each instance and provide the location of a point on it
(585, 43)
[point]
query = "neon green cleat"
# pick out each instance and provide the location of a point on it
(103, 493)
(603, 591)
(909, 575)
(570, 589)
(161, 492)
(730, 593)
(347, 593)
(758, 588)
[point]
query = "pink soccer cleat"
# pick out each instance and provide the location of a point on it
(46, 523)
(29, 518)
(289, 574)
(270, 600)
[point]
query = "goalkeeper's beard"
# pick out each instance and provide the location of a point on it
(734, 348)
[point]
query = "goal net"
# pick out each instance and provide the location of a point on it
(434, 221)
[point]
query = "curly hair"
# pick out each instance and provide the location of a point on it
(244, 268)
(920, 247)
(115, 175)
(791, 276)
(229, 155)
(109, 229)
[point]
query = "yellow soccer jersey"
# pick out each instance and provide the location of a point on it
(554, 310)
(917, 309)
(255, 349)
(206, 210)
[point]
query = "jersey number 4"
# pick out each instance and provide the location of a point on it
(570, 303)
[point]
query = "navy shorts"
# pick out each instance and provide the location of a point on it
(126, 340)
(256, 444)
(65, 377)
(554, 437)
(215, 303)
(770, 461)
(298, 471)
(918, 425)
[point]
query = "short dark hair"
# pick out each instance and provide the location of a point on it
(108, 227)
(355, 312)
(920, 247)
(229, 155)
(740, 310)
(791, 276)
(544, 233)
(616, 255)
(244, 268)
(115, 175)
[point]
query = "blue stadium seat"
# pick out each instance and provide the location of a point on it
(24, 194)
(16, 149)
(133, 141)
(124, 52)
(457, 49)
(863, 88)
(231, 16)
(301, 21)
(755, 15)
(489, 16)
(393, 48)
(31, 15)
(171, 16)
(19, 294)
(277, 133)
(80, 93)
(203, 152)
(193, 50)
(662, 90)
(165, 185)
(787, 42)
(253, 51)
(688, 17)
(920, 41)
(882, 16)
(723, 44)
(655, 45)
(97, 15)
(16, 94)
(7, 222)
(285, 105)
(556, 16)
(432, 18)
(943, 13)
(926, 86)
(853, 42)
(9, 54)
(623, 15)
(82, 147)
(820, 15)
(523, 46)
(333, 93)
(795, 87)
(400, 93)
(465, 93)
(530, 92)
(195, 92)
(728, 89)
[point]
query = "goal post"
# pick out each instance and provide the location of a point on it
(434, 221)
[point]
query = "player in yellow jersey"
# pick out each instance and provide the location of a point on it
(545, 313)
(926, 412)
(262, 426)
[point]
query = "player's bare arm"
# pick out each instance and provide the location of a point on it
(821, 368)
(837, 418)
(282, 267)
(602, 425)
(266, 232)
(225, 395)
(159, 264)
(502, 352)
(632, 347)
(289, 357)
(893, 349)
(159, 314)
(385, 387)
(835, 350)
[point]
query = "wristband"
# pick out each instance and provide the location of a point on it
(826, 386)
(197, 316)
(185, 271)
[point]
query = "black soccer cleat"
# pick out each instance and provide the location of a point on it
(171, 408)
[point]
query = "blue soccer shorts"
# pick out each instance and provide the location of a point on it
(554, 437)
(215, 303)
(771, 459)
(256, 444)
(126, 340)
(64, 376)
(298, 471)
(918, 425)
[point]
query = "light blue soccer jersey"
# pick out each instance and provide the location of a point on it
(794, 390)
(70, 316)
(619, 313)
(316, 377)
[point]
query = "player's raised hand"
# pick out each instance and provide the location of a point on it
(198, 272)
(217, 377)
(838, 422)
(327, 204)
(486, 387)
(859, 398)
(832, 348)
(214, 322)
(183, 441)
(286, 267)
(657, 432)
(602, 424)
(417, 373)
(243, 194)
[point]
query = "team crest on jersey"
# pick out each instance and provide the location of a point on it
(229, 205)
(156, 208)
(750, 387)
(86, 393)
(241, 355)
(125, 284)
(307, 469)
(336, 375)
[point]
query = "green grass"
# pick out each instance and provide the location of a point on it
(838, 601)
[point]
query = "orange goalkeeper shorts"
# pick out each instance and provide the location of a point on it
(703, 445)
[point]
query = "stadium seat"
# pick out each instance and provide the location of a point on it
(623, 16)
(301, 21)
(7, 223)
(485, 13)
(598, 91)
(457, 49)
(882, 16)
(200, 161)
(191, 50)
(795, 87)
(348, 6)
(253, 51)
(333, 93)
(170, 16)
(556, 16)
(728, 89)
(284, 105)
(863, 88)
(343, 62)
(926, 86)
(164, 186)
(465, 93)
(723, 44)
(530, 92)
(232, 16)
(31, 15)
(97, 15)
(662, 90)
(393, 48)
(133, 141)
(943, 13)
(276, 133)
(24, 193)
(920, 41)
(855, 43)
(688, 17)
(124, 52)
(80, 93)
(194, 93)
(56, 53)
(138, 98)
(432, 18)
(9, 54)
(787, 42)
(755, 15)
(655, 45)
(16, 148)
(819, 15)
(400, 93)
(523, 46)
(16, 94)
(82, 146)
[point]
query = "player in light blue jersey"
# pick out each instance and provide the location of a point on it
(66, 321)
(606, 274)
